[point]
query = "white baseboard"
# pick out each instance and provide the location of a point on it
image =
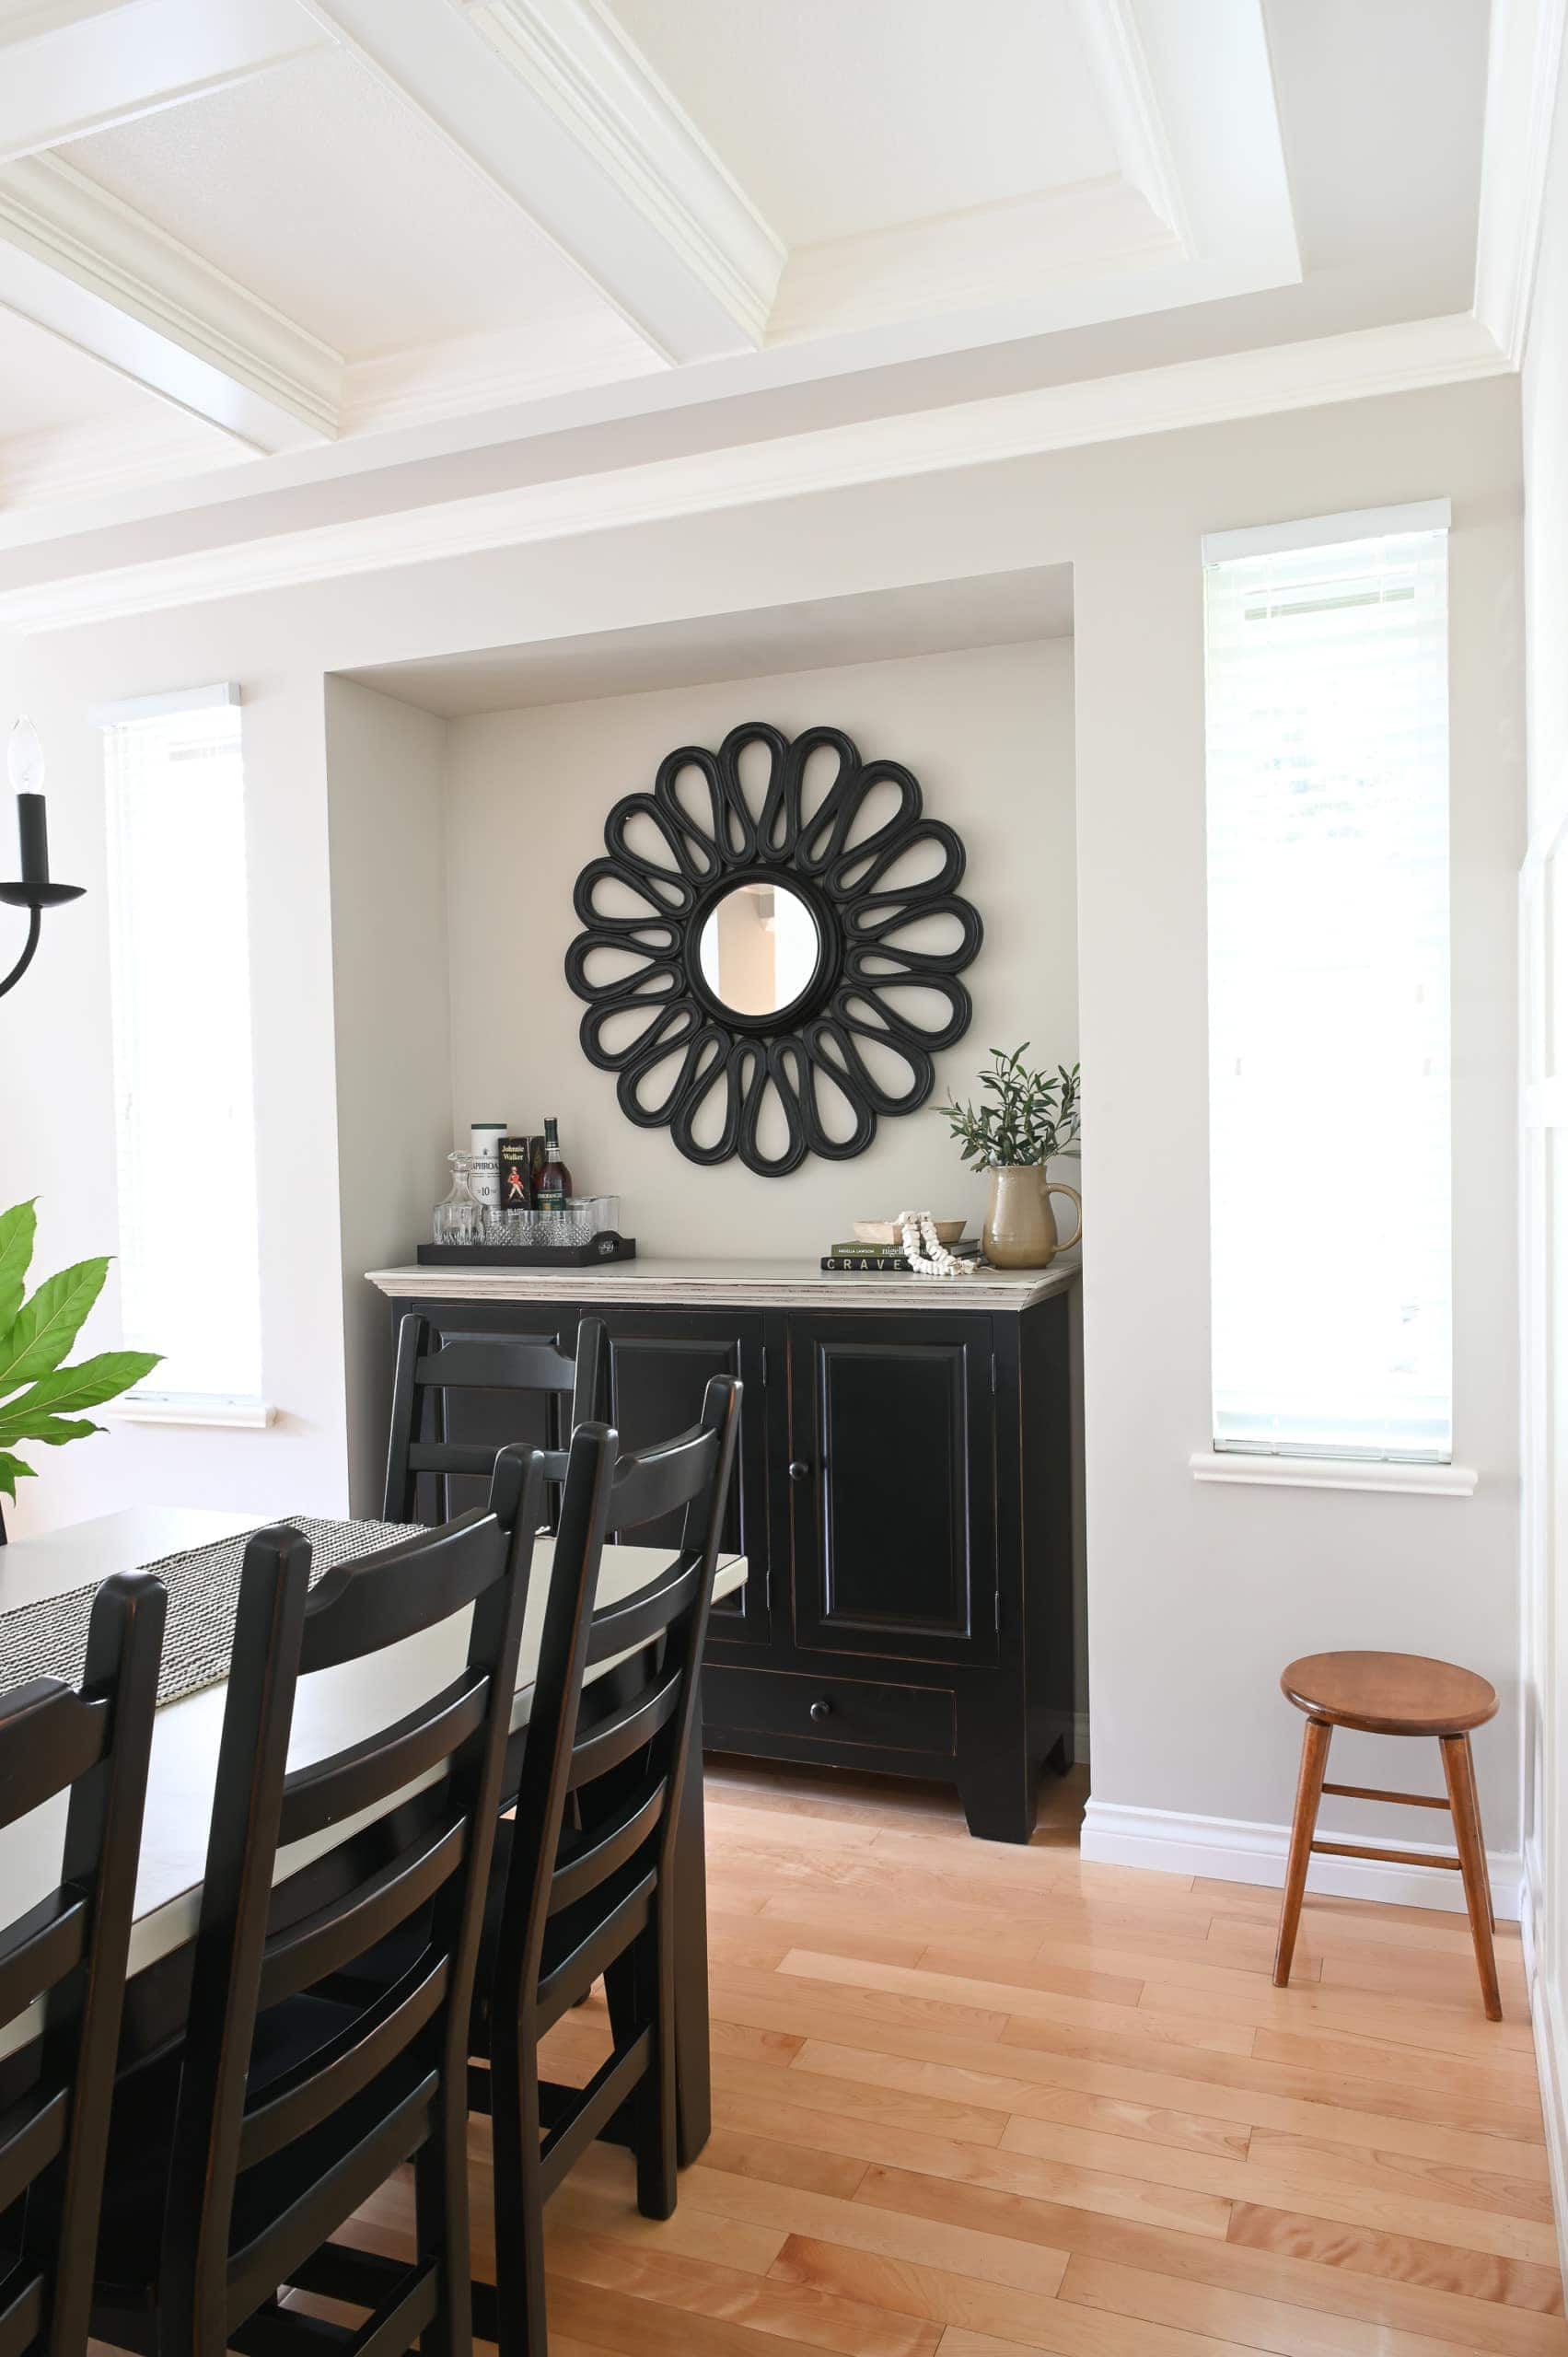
(1234, 1851)
(1551, 2028)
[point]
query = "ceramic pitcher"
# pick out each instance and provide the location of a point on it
(1020, 1227)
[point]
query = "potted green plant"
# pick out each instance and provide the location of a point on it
(40, 1399)
(1023, 1119)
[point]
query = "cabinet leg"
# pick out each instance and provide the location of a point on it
(999, 1795)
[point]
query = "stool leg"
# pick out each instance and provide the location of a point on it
(1308, 1793)
(1459, 1771)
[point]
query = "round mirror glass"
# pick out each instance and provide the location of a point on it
(759, 948)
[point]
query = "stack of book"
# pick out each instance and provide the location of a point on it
(885, 1259)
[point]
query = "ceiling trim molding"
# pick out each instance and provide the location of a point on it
(604, 93)
(1372, 361)
(1120, 65)
(84, 265)
(496, 107)
(73, 69)
(1524, 72)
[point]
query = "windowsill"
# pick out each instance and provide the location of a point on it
(220, 1409)
(1333, 1473)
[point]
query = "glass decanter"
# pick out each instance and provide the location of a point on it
(459, 1218)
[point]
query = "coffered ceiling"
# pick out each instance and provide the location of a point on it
(253, 243)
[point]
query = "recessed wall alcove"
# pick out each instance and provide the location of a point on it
(477, 787)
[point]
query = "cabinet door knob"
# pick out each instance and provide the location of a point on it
(823, 1710)
(799, 1470)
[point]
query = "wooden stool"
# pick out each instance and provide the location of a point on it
(1391, 1694)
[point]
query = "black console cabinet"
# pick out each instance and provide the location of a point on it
(904, 1504)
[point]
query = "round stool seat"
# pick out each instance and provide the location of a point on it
(1389, 1694)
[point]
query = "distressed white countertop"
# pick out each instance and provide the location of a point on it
(762, 1285)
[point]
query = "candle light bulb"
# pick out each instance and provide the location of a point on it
(24, 758)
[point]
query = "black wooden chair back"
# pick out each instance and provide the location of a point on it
(298, 2093)
(70, 1952)
(585, 1886)
(430, 1366)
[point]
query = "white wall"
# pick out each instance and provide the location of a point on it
(391, 1020)
(1197, 1597)
(1545, 1161)
(989, 735)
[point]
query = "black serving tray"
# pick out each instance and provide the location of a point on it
(606, 1245)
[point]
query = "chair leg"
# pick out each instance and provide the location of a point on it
(657, 2097)
(1304, 1824)
(519, 2206)
(441, 2230)
(1459, 1771)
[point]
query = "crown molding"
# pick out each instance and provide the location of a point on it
(471, 374)
(1372, 361)
(103, 455)
(607, 96)
(971, 260)
(1523, 69)
(610, 171)
(86, 266)
(1120, 65)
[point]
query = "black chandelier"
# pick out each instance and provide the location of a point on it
(32, 890)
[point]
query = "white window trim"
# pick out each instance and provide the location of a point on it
(1327, 531)
(209, 698)
(228, 1409)
(1402, 1478)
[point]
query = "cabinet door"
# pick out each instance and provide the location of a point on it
(892, 1486)
(659, 1365)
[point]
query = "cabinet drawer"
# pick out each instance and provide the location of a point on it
(773, 1701)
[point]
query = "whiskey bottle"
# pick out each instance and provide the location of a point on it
(554, 1183)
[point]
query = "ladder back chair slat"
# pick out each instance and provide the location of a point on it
(71, 1951)
(435, 1369)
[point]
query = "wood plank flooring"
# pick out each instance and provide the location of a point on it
(970, 2099)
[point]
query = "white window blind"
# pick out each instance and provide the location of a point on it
(1328, 851)
(184, 1111)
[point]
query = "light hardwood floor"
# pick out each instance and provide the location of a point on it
(971, 2099)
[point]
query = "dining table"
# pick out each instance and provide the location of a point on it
(333, 1708)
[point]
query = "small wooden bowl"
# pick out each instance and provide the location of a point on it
(885, 1231)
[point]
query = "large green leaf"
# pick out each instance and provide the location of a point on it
(12, 1470)
(69, 1387)
(49, 1325)
(55, 1431)
(18, 1228)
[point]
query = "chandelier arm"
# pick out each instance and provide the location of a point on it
(35, 927)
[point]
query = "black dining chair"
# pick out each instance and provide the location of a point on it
(594, 1893)
(70, 1952)
(237, 2159)
(432, 1366)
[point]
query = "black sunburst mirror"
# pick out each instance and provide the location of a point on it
(759, 959)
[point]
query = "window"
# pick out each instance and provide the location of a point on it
(1327, 849)
(185, 1127)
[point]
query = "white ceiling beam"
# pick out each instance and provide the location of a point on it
(1524, 72)
(557, 110)
(81, 263)
(71, 70)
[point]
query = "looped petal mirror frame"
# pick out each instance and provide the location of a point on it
(771, 949)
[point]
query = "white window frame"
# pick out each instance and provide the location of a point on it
(152, 1403)
(1235, 1460)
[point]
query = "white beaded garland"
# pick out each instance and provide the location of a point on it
(926, 1256)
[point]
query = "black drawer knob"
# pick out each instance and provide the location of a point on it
(823, 1710)
(799, 1470)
